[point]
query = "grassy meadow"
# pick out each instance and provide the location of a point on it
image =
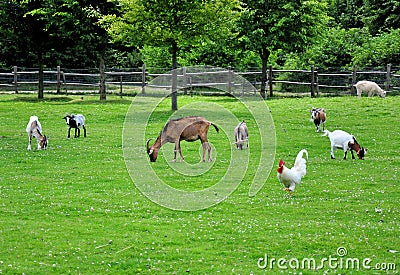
(74, 209)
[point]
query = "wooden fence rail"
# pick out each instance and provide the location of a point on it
(188, 81)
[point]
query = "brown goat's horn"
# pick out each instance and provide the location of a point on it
(147, 144)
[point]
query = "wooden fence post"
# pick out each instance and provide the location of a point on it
(58, 79)
(270, 81)
(16, 79)
(388, 69)
(103, 95)
(229, 80)
(184, 81)
(354, 80)
(120, 86)
(312, 81)
(317, 82)
(191, 85)
(243, 85)
(143, 78)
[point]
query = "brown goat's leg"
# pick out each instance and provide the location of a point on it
(180, 152)
(174, 160)
(209, 152)
(177, 148)
(204, 144)
(206, 147)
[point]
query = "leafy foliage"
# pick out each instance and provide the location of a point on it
(269, 26)
(379, 50)
(381, 15)
(224, 33)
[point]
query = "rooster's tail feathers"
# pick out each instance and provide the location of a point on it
(300, 162)
(300, 156)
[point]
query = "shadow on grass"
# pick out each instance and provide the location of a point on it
(84, 100)
(32, 99)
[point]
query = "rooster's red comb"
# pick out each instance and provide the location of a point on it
(281, 163)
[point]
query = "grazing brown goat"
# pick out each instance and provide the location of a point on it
(189, 128)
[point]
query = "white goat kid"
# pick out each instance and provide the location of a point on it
(34, 129)
(241, 135)
(370, 87)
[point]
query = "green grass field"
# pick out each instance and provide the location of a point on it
(74, 209)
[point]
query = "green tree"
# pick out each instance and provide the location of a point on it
(334, 49)
(35, 31)
(77, 24)
(347, 13)
(24, 31)
(381, 15)
(172, 23)
(268, 26)
(379, 50)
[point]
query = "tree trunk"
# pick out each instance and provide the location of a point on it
(174, 92)
(40, 82)
(102, 78)
(264, 55)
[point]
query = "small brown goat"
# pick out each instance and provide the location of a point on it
(319, 117)
(189, 129)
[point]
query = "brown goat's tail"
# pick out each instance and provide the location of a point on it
(215, 126)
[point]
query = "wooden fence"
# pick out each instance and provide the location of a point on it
(279, 81)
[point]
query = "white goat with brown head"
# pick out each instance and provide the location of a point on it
(34, 129)
(189, 129)
(345, 141)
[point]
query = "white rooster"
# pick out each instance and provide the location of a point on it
(290, 177)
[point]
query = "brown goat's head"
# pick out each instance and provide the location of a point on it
(43, 142)
(317, 113)
(361, 151)
(151, 151)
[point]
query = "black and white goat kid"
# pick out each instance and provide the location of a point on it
(76, 122)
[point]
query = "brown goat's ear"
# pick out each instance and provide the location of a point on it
(151, 151)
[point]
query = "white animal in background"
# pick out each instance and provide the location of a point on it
(345, 141)
(370, 87)
(290, 177)
(34, 129)
(318, 115)
(241, 135)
